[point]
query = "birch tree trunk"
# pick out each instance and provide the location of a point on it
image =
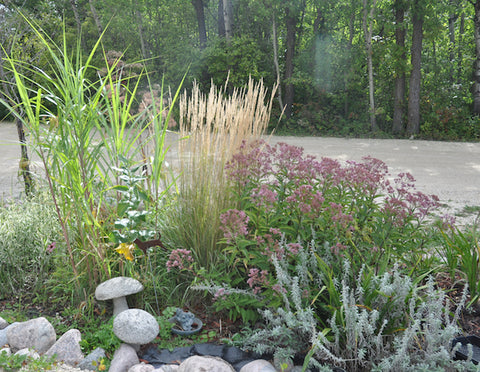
(368, 31)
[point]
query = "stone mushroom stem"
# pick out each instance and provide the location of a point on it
(119, 305)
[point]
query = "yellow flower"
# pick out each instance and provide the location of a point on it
(126, 249)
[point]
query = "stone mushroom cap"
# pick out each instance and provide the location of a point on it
(117, 289)
(135, 327)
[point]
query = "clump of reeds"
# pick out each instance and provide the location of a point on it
(212, 127)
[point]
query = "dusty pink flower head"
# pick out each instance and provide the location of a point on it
(234, 224)
(181, 258)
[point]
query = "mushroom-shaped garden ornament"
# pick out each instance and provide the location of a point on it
(117, 289)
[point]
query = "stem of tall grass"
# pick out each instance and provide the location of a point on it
(213, 126)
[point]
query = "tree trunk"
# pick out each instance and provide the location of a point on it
(139, 17)
(413, 126)
(476, 84)
(275, 62)
(350, 73)
(221, 21)
(451, 35)
(291, 23)
(398, 125)
(24, 164)
(202, 30)
(368, 31)
(227, 18)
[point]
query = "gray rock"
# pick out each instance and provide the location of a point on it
(3, 323)
(37, 334)
(168, 368)
(3, 334)
(67, 348)
(92, 360)
(30, 353)
(142, 367)
(123, 358)
(117, 289)
(135, 327)
(258, 365)
(205, 364)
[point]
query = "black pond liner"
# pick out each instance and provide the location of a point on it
(236, 357)
(462, 352)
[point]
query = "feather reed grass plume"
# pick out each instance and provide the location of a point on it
(213, 126)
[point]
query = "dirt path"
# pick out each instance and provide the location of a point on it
(451, 170)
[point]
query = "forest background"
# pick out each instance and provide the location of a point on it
(384, 68)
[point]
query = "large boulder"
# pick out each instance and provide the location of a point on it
(36, 334)
(67, 349)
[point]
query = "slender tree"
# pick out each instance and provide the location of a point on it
(476, 73)
(368, 14)
(398, 125)
(413, 125)
(202, 29)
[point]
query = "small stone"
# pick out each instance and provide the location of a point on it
(258, 365)
(3, 323)
(123, 358)
(67, 349)
(29, 353)
(142, 367)
(36, 333)
(205, 364)
(92, 360)
(168, 368)
(135, 326)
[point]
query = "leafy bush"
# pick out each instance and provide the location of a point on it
(30, 236)
(354, 211)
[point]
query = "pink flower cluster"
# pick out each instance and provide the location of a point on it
(180, 258)
(256, 279)
(234, 224)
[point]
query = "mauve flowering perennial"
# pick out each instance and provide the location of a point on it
(234, 224)
(180, 258)
(346, 210)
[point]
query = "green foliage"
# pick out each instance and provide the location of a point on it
(11, 363)
(30, 238)
(460, 253)
(100, 336)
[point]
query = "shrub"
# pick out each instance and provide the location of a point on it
(30, 236)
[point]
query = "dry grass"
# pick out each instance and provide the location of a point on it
(214, 126)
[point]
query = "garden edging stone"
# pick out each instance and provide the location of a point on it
(126, 359)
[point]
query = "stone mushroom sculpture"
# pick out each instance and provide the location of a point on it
(117, 289)
(135, 327)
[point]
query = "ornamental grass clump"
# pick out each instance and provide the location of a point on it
(212, 127)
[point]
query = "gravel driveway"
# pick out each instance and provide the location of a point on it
(451, 170)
